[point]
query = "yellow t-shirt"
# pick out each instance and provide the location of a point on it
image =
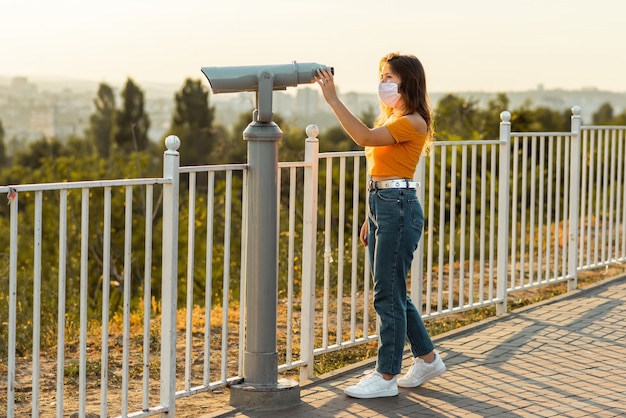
(400, 159)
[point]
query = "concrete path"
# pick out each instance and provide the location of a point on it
(565, 357)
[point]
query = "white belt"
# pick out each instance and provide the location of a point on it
(393, 184)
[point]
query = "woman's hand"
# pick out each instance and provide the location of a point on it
(364, 232)
(326, 81)
(360, 133)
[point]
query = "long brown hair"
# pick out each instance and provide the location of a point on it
(412, 89)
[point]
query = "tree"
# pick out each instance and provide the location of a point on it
(192, 121)
(528, 118)
(604, 115)
(231, 148)
(336, 139)
(549, 120)
(456, 117)
(369, 116)
(101, 122)
(490, 117)
(36, 152)
(620, 119)
(132, 123)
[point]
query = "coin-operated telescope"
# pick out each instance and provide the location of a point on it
(261, 388)
(263, 79)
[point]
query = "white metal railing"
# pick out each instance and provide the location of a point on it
(562, 211)
(603, 206)
(212, 222)
(82, 229)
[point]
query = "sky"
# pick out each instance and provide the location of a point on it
(464, 45)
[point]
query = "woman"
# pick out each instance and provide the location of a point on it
(402, 132)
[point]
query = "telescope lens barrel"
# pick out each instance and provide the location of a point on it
(246, 78)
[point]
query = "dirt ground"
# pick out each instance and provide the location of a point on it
(197, 405)
(191, 406)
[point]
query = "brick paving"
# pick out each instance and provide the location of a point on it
(565, 357)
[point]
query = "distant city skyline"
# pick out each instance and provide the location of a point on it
(32, 108)
(484, 45)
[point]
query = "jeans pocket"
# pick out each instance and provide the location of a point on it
(388, 195)
(417, 213)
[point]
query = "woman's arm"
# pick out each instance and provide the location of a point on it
(358, 131)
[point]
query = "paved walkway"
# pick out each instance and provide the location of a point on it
(565, 357)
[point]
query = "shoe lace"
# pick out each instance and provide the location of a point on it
(368, 375)
(417, 365)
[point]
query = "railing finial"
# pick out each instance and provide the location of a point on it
(312, 131)
(576, 110)
(505, 116)
(172, 142)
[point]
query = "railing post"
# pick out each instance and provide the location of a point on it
(309, 252)
(504, 201)
(417, 267)
(11, 377)
(574, 197)
(169, 281)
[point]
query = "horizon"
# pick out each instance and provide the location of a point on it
(64, 81)
(464, 46)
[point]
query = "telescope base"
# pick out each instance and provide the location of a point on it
(285, 394)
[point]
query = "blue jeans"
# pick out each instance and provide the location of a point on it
(396, 221)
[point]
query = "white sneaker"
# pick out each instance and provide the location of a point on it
(421, 371)
(373, 385)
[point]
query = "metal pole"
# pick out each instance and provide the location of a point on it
(261, 388)
(261, 358)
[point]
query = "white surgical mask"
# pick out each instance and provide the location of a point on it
(388, 93)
